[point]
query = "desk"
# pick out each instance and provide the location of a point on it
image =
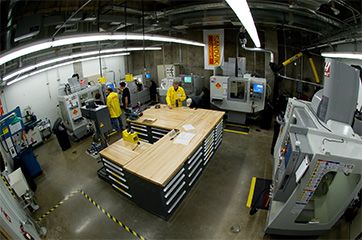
(158, 174)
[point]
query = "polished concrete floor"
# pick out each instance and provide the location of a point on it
(216, 203)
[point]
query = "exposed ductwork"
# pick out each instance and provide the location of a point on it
(243, 42)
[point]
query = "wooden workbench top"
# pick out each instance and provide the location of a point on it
(122, 152)
(165, 117)
(162, 160)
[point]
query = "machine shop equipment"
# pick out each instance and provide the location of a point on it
(192, 84)
(101, 121)
(238, 95)
(317, 162)
(14, 220)
(139, 91)
(20, 163)
(70, 103)
(14, 146)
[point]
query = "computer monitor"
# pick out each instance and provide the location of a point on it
(148, 75)
(187, 79)
(258, 88)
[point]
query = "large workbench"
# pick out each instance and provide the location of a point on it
(158, 173)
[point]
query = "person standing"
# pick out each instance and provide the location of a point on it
(175, 95)
(98, 99)
(126, 95)
(114, 109)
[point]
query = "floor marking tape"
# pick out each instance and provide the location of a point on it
(52, 209)
(234, 131)
(237, 125)
(8, 186)
(114, 219)
(251, 192)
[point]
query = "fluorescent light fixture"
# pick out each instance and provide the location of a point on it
(75, 19)
(38, 46)
(26, 36)
(242, 11)
(130, 49)
(89, 19)
(64, 26)
(346, 55)
(90, 53)
(63, 64)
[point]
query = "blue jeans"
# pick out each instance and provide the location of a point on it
(116, 123)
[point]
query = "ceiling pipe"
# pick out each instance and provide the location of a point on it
(71, 16)
(243, 42)
(278, 7)
(299, 80)
(9, 24)
(335, 43)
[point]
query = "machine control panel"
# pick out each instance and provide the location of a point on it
(257, 91)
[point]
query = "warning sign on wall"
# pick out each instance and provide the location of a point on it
(327, 69)
(214, 48)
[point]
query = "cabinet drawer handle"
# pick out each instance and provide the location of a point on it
(177, 201)
(174, 186)
(175, 193)
(173, 180)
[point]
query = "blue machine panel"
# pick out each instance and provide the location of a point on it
(258, 88)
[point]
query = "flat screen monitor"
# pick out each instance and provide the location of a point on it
(258, 88)
(148, 75)
(188, 79)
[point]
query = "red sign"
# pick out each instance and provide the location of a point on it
(327, 69)
(214, 57)
(218, 85)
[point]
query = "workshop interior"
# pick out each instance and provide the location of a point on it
(180, 119)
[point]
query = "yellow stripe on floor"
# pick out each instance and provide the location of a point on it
(237, 125)
(251, 192)
(234, 131)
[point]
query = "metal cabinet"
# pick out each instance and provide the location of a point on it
(164, 200)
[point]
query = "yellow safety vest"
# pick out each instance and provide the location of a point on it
(113, 105)
(174, 97)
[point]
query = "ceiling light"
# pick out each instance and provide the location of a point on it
(130, 49)
(181, 27)
(89, 19)
(84, 54)
(75, 19)
(26, 36)
(347, 55)
(64, 25)
(35, 47)
(63, 64)
(242, 11)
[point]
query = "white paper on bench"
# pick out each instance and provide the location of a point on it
(188, 127)
(184, 138)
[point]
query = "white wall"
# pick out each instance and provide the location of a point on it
(113, 67)
(40, 91)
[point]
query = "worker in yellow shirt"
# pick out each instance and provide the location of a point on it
(175, 95)
(114, 109)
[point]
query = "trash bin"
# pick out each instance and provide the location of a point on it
(61, 132)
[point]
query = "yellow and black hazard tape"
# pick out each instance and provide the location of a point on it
(52, 209)
(128, 229)
(8, 186)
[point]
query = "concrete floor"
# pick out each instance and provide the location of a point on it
(216, 202)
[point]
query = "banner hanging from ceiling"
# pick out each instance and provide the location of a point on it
(214, 48)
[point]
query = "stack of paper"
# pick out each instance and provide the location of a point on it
(184, 138)
(188, 127)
